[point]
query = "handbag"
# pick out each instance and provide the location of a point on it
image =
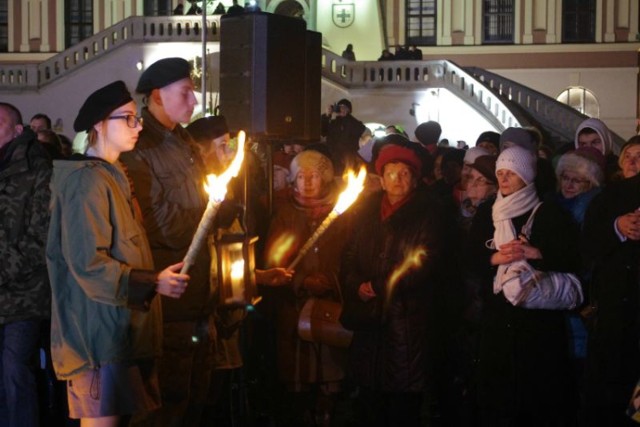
(535, 289)
(319, 322)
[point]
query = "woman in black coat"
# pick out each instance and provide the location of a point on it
(395, 341)
(612, 252)
(523, 371)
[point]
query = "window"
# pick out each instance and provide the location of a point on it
(582, 99)
(78, 17)
(499, 18)
(157, 8)
(578, 21)
(4, 26)
(421, 22)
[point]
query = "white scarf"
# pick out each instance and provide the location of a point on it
(504, 209)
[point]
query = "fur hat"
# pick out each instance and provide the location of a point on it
(486, 165)
(313, 160)
(520, 137)
(205, 129)
(473, 153)
(162, 73)
(587, 161)
(100, 104)
(520, 161)
(428, 132)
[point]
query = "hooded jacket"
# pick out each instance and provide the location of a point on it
(98, 259)
(601, 129)
(25, 172)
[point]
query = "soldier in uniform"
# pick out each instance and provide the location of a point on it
(25, 299)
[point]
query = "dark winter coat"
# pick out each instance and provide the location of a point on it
(343, 136)
(523, 358)
(613, 354)
(168, 177)
(25, 172)
(395, 350)
(301, 361)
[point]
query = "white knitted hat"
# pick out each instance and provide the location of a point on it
(314, 160)
(473, 153)
(520, 161)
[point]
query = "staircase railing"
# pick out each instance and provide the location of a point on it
(423, 74)
(135, 29)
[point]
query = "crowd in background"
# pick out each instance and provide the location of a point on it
(494, 285)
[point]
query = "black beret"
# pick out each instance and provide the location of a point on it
(100, 104)
(162, 73)
(207, 128)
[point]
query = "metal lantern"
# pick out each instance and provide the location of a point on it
(236, 269)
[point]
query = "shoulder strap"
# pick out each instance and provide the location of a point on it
(526, 228)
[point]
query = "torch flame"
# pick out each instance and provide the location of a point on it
(355, 185)
(216, 186)
(413, 260)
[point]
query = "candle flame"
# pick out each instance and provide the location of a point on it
(216, 185)
(355, 185)
(412, 261)
(237, 270)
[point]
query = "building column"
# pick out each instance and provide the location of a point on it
(633, 21)
(44, 44)
(445, 7)
(598, 21)
(477, 30)
(24, 27)
(553, 23)
(527, 36)
(469, 30)
(610, 35)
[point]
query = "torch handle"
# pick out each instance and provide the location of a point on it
(314, 237)
(200, 237)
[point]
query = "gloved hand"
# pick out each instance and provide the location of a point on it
(317, 284)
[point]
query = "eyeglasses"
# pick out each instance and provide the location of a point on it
(132, 121)
(567, 180)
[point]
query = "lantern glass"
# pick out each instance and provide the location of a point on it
(236, 269)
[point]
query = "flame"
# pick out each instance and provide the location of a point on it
(412, 261)
(216, 185)
(280, 248)
(355, 185)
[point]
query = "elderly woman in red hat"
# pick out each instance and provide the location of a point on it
(392, 271)
(106, 319)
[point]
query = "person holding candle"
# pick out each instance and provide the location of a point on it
(311, 372)
(106, 319)
(391, 272)
(168, 176)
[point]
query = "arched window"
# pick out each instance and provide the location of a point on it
(290, 8)
(78, 19)
(582, 99)
(4, 25)
(498, 25)
(578, 21)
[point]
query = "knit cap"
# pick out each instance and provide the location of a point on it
(520, 161)
(520, 137)
(312, 160)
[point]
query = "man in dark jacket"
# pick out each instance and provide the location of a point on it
(168, 176)
(343, 134)
(25, 297)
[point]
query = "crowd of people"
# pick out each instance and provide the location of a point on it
(495, 285)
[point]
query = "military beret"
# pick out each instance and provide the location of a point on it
(162, 73)
(207, 128)
(100, 104)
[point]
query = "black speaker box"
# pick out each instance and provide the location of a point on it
(263, 74)
(312, 87)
